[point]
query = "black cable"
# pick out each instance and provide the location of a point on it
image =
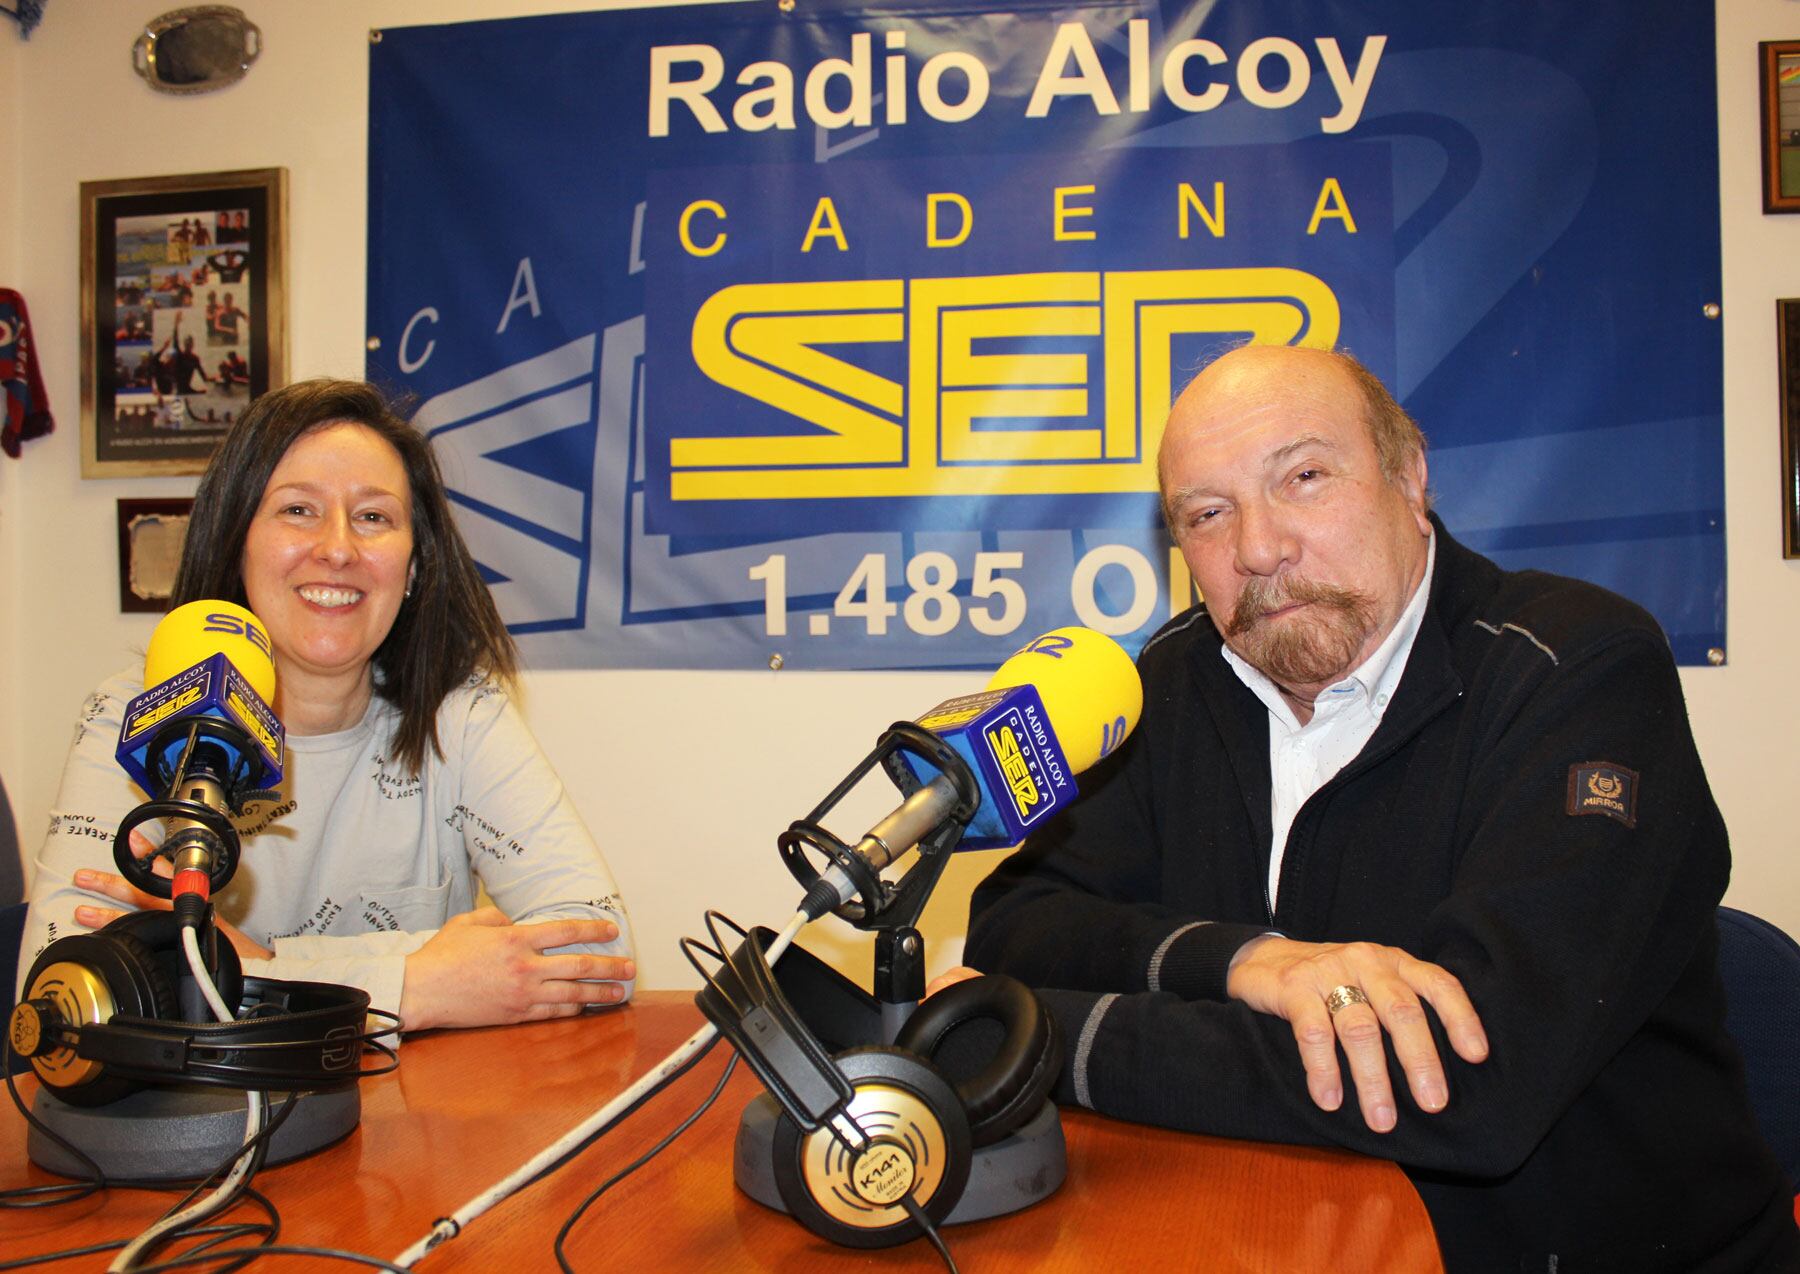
(210, 1251)
(917, 1213)
(221, 1232)
(271, 1226)
(234, 1258)
(25, 1196)
(257, 1253)
(639, 1162)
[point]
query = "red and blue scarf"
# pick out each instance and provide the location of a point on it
(24, 407)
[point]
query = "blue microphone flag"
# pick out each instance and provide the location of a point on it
(211, 688)
(1023, 772)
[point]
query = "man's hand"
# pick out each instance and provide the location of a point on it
(950, 977)
(1291, 980)
(480, 969)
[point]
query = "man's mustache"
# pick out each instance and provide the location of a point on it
(1271, 593)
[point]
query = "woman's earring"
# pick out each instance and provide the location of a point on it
(411, 574)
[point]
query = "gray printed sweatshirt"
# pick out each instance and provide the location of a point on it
(358, 862)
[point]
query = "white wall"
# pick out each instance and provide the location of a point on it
(11, 129)
(1744, 714)
(687, 823)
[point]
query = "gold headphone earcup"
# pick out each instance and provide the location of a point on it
(918, 1147)
(90, 979)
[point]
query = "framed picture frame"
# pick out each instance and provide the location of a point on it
(1780, 67)
(1787, 327)
(183, 314)
(151, 533)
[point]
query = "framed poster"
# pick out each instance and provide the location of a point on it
(183, 314)
(1787, 325)
(1780, 61)
(910, 360)
(151, 534)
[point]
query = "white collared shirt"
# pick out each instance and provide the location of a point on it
(1304, 758)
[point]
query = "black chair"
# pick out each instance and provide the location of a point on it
(1761, 968)
(12, 933)
(12, 871)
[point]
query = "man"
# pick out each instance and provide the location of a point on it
(188, 366)
(224, 323)
(1380, 783)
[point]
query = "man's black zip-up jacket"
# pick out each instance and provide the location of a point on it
(1532, 815)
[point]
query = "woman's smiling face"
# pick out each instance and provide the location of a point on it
(327, 558)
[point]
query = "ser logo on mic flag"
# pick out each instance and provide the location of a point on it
(1005, 735)
(208, 658)
(212, 688)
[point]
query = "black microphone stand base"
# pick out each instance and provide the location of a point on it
(166, 1134)
(1008, 1176)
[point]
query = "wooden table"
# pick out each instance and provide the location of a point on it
(467, 1107)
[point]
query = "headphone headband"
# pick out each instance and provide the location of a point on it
(309, 1035)
(744, 1001)
(118, 1027)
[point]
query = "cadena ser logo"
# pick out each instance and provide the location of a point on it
(1004, 376)
(156, 713)
(1015, 768)
(977, 341)
(251, 721)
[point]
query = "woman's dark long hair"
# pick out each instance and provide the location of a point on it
(449, 628)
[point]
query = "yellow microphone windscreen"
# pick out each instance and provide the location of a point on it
(199, 630)
(1089, 685)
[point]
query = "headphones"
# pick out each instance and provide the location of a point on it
(869, 1135)
(100, 1017)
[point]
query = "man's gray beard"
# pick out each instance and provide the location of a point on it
(1316, 647)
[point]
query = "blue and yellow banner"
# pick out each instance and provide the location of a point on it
(847, 333)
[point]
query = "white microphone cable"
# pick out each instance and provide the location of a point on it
(228, 1188)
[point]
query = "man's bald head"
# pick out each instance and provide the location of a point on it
(1396, 435)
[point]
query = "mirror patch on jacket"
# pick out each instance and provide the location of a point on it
(1600, 787)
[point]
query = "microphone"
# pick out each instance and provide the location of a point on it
(1049, 712)
(983, 768)
(202, 742)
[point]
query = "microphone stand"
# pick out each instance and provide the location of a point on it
(1010, 1174)
(931, 820)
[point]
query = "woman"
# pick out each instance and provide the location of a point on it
(410, 775)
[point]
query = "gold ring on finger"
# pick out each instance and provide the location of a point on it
(1343, 996)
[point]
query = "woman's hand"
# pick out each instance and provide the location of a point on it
(1374, 987)
(480, 969)
(108, 885)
